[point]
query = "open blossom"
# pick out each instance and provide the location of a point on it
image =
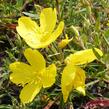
(73, 77)
(32, 77)
(40, 36)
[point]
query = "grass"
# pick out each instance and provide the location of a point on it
(89, 17)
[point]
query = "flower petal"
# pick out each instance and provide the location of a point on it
(56, 33)
(80, 80)
(27, 26)
(67, 79)
(49, 76)
(29, 92)
(22, 73)
(35, 58)
(48, 19)
(29, 31)
(83, 57)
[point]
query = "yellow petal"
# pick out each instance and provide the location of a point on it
(27, 27)
(67, 79)
(80, 76)
(29, 31)
(35, 58)
(22, 73)
(66, 91)
(82, 57)
(49, 76)
(57, 32)
(29, 92)
(80, 80)
(48, 19)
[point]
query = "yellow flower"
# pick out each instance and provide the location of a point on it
(73, 77)
(64, 42)
(40, 36)
(32, 77)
